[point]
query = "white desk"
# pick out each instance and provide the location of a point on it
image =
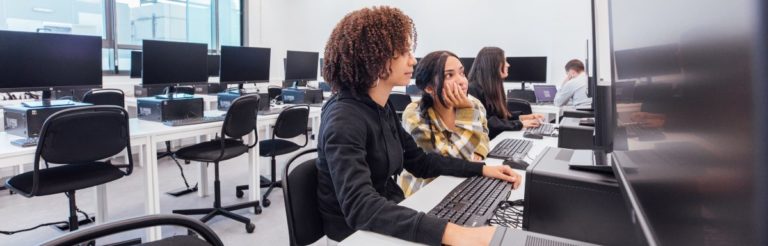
(429, 196)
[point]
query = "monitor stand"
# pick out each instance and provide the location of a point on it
(171, 94)
(45, 101)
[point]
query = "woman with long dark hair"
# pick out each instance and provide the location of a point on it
(486, 83)
(446, 120)
(362, 147)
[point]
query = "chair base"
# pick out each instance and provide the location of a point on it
(80, 221)
(265, 183)
(226, 212)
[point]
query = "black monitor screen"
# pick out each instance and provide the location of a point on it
(135, 64)
(527, 69)
(690, 150)
(42, 60)
(168, 63)
(647, 61)
(213, 65)
(241, 64)
(301, 65)
(467, 63)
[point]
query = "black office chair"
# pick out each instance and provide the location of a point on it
(291, 123)
(77, 139)
(93, 233)
(399, 101)
(305, 225)
(105, 97)
(518, 106)
(526, 95)
(239, 122)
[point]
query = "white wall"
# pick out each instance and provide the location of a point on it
(558, 29)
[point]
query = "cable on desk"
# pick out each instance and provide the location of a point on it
(508, 214)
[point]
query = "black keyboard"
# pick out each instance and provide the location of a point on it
(25, 142)
(508, 148)
(472, 202)
(193, 121)
(543, 130)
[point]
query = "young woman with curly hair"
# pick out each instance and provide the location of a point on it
(362, 147)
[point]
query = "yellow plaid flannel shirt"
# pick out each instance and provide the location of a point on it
(470, 137)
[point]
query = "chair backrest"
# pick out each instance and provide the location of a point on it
(274, 92)
(518, 105)
(399, 101)
(305, 226)
(114, 97)
(241, 116)
(527, 95)
(292, 122)
(84, 134)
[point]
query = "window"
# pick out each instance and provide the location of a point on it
(135, 20)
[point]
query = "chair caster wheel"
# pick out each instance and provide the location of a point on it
(267, 203)
(239, 194)
(250, 227)
(257, 209)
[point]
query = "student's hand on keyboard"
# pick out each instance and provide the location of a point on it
(458, 235)
(531, 123)
(532, 117)
(503, 172)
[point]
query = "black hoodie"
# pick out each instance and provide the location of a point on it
(361, 149)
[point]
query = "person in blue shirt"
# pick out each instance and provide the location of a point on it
(573, 91)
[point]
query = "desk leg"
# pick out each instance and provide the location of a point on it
(254, 193)
(315, 130)
(142, 160)
(202, 170)
(152, 188)
(101, 203)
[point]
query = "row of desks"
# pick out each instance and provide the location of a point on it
(146, 135)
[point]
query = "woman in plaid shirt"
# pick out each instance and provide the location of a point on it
(446, 120)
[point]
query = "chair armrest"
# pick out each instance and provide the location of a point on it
(136, 223)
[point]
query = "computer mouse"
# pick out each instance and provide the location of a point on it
(516, 162)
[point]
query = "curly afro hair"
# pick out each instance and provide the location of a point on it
(362, 44)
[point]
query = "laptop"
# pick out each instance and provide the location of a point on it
(544, 93)
(516, 237)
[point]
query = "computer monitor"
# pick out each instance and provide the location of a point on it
(703, 178)
(166, 63)
(467, 63)
(244, 64)
(43, 61)
(213, 65)
(135, 64)
(527, 69)
(301, 66)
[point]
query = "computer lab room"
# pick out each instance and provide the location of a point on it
(371, 122)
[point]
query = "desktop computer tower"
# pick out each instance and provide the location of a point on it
(139, 91)
(209, 88)
(225, 100)
(580, 205)
(299, 96)
(27, 122)
(157, 109)
(574, 134)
